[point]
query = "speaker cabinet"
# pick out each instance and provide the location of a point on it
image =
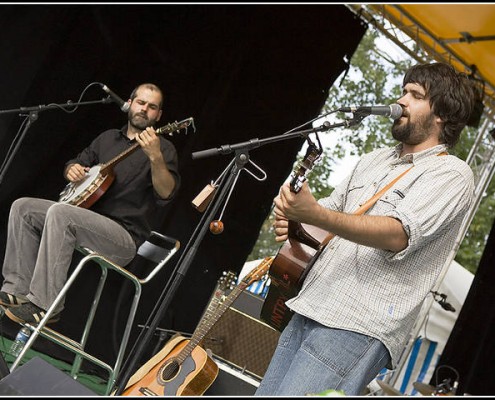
(240, 338)
(231, 381)
(37, 377)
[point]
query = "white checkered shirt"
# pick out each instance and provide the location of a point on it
(378, 292)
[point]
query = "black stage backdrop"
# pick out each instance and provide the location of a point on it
(469, 354)
(241, 71)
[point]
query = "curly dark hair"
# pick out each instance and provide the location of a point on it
(452, 96)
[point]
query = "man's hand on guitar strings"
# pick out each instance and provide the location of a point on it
(299, 207)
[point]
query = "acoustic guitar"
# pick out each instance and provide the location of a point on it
(98, 179)
(187, 369)
(208, 369)
(295, 257)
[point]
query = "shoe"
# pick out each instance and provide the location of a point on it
(29, 313)
(9, 300)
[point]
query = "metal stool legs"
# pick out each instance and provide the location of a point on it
(150, 250)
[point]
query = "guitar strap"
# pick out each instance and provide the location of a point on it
(361, 210)
(366, 206)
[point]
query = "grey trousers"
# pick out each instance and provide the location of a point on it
(41, 239)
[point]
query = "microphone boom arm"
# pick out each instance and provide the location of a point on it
(253, 143)
(31, 114)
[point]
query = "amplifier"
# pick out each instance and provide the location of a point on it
(231, 381)
(240, 338)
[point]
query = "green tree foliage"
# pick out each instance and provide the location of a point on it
(317, 178)
(376, 78)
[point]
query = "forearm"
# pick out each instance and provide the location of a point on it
(374, 231)
(163, 181)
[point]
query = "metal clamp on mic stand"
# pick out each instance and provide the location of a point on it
(225, 187)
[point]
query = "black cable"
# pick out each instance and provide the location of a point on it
(446, 387)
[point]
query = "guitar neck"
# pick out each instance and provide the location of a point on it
(208, 321)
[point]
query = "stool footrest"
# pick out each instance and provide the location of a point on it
(54, 335)
(73, 346)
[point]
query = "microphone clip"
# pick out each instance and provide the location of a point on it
(441, 299)
(357, 117)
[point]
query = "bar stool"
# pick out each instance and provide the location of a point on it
(158, 249)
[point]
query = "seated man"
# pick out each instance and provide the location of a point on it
(43, 234)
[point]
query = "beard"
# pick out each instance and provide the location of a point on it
(140, 121)
(413, 133)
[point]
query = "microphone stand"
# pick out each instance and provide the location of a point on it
(237, 165)
(31, 114)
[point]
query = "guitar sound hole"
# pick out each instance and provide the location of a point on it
(170, 370)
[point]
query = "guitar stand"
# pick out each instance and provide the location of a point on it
(226, 186)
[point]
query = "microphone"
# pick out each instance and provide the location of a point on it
(393, 111)
(124, 106)
(446, 306)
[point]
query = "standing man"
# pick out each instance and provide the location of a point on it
(43, 234)
(361, 298)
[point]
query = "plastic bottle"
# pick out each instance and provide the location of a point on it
(20, 340)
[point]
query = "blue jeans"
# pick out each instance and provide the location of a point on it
(311, 358)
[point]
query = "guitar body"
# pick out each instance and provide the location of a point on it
(287, 274)
(169, 378)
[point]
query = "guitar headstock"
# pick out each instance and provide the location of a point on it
(257, 272)
(172, 127)
(227, 281)
(313, 154)
(224, 286)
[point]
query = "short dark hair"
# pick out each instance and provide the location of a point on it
(150, 86)
(451, 96)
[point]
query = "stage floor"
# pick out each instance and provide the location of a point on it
(9, 386)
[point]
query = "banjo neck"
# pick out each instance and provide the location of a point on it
(108, 166)
(167, 129)
(99, 177)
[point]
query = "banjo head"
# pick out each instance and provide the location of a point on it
(75, 192)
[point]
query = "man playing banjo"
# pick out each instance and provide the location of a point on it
(42, 234)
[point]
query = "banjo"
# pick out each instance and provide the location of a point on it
(87, 191)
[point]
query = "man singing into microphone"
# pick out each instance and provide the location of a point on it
(42, 234)
(363, 294)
